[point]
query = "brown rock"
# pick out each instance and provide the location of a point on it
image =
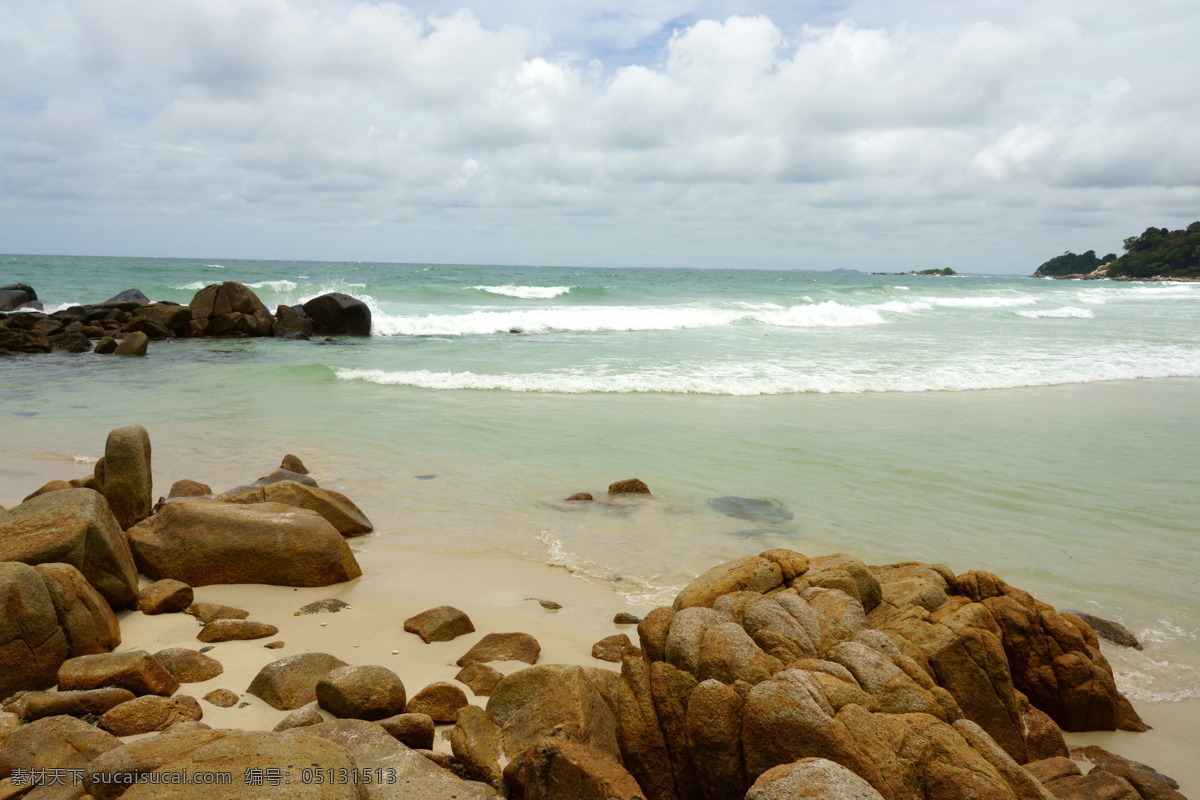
(106, 346)
(439, 624)
(335, 507)
(293, 464)
(150, 713)
(222, 698)
(412, 729)
(1149, 782)
(292, 681)
(85, 616)
(188, 666)
(652, 633)
(132, 344)
(625, 618)
(811, 779)
(202, 542)
(481, 678)
(109, 774)
(503, 647)
(477, 743)
(579, 497)
(753, 574)
(54, 743)
(135, 670)
(610, 647)
(339, 313)
(208, 612)
(300, 718)
(641, 739)
(1096, 785)
(328, 606)
(76, 527)
(714, 727)
(228, 630)
(555, 768)
(171, 318)
(52, 486)
(440, 700)
(32, 643)
(630, 486)
(187, 488)
(1049, 770)
(367, 692)
(570, 706)
(231, 307)
(167, 596)
(187, 726)
(1114, 632)
(274, 645)
(38, 705)
(1018, 779)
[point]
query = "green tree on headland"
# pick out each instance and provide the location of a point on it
(1157, 253)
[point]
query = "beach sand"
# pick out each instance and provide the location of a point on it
(500, 595)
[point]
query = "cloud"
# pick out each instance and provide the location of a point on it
(780, 133)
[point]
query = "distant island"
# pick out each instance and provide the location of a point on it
(943, 271)
(1157, 255)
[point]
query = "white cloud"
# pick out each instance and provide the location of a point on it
(786, 134)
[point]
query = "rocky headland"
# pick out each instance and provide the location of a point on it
(774, 676)
(126, 323)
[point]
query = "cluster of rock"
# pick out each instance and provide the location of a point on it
(124, 324)
(71, 552)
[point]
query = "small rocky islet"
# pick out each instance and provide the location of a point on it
(771, 677)
(126, 323)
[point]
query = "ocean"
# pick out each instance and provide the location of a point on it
(1043, 430)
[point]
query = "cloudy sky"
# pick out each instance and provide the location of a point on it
(984, 136)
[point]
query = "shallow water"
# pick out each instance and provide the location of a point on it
(1043, 430)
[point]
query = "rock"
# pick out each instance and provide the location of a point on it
(477, 743)
(223, 698)
(440, 700)
(207, 612)
(32, 643)
(106, 346)
(714, 730)
(132, 344)
(127, 484)
(133, 296)
(569, 705)
(579, 497)
(85, 616)
(39, 705)
(333, 506)
(610, 647)
(109, 775)
(414, 730)
(293, 464)
(1149, 782)
(76, 527)
(555, 768)
(625, 618)
(1018, 779)
(187, 726)
(135, 670)
(549, 605)
(328, 606)
(1096, 785)
(229, 630)
(188, 666)
(292, 681)
(167, 596)
(365, 692)
(811, 779)
(769, 511)
(72, 342)
(150, 713)
(503, 647)
(274, 645)
(54, 743)
(202, 542)
(187, 488)
(749, 574)
(481, 678)
(631, 486)
(439, 624)
(1114, 632)
(231, 308)
(337, 313)
(15, 295)
(51, 486)
(291, 323)
(300, 718)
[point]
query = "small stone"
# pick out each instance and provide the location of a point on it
(439, 624)
(300, 718)
(441, 701)
(479, 677)
(610, 647)
(549, 605)
(330, 606)
(579, 497)
(443, 760)
(273, 645)
(208, 612)
(166, 596)
(625, 618)
(222, 698)
(631, 486)
(503, 647)
(188, 666)
(412, 729)
(228, 630)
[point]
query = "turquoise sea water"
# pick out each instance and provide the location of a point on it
(1043, 430)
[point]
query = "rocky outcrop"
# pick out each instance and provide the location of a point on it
(53, 743)
(76, 527)
(202, 542)
(335, 507)
(230, 309)
(337, 313)
(86, 618)
(32, 642)
(16, 295)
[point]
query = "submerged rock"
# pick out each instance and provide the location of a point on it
(750, 508)
(1111, 631)
(339, 313)
(630, 486)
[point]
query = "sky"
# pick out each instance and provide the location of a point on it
(813, 134)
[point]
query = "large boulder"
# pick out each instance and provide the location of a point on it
(127, 484)
(441, 624)
(369, 692)
(557, 768)
(291, 682)
(811, 779)
(85, 616)
(135, 670)
(202, 542)
(149, 713)
(231, 309)
(38, 705)
(32, 642)
(15, 295)
(53, 743)
(76, 527)
(335, 507)
(337, 313)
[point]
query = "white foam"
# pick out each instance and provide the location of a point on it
(982, 301)
(903, 306)
(1067, 312)
(275, 286)
(526, 292)
(215, 266)
(85, 460)
(194, 286)
(822, 315)
(636, 590)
